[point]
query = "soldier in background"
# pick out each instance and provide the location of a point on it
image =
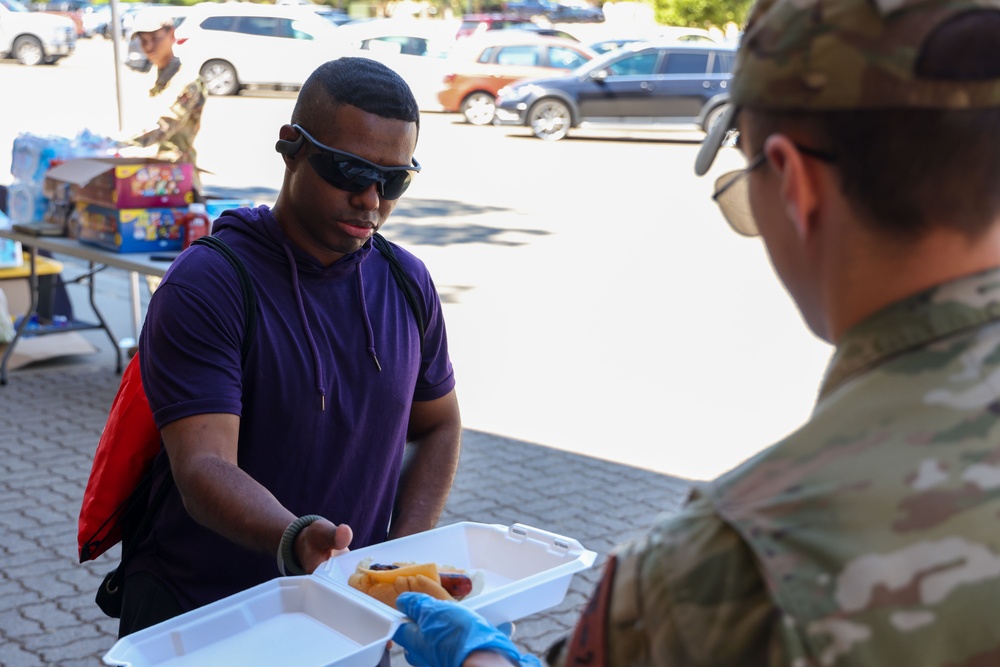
(871, 536)
(177, 97)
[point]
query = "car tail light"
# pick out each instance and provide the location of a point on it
(449, 78)
(182, 40)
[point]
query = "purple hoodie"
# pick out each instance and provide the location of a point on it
(322, 427)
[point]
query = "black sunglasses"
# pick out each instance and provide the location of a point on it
(350, 173)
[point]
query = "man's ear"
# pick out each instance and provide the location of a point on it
(289, 142)
(799, 189)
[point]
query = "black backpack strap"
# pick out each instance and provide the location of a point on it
(404, 282)
(249, 295)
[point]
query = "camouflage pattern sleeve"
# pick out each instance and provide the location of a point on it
(687, 594)
(178, 114)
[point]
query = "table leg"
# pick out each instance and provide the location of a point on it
(133, 293)
(100, 318)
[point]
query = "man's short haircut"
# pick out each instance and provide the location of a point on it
(360, 82)
(905, 170)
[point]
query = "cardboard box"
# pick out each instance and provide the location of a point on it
(124, 183)
(131, 230)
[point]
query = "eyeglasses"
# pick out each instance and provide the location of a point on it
(351, 173)
(733, 196)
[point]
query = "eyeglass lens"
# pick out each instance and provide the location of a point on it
(353, 175)
(733, 197)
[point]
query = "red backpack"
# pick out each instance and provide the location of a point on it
(124, 455)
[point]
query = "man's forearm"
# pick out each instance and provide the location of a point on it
(428, 472)
(223, 498)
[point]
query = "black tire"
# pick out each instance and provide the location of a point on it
(550, 119)
(479, 108)
(713, 116)
(29, 51)
(220, 78)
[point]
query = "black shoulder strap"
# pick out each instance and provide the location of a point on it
(403, 280)
(249, 295)
(141, 493)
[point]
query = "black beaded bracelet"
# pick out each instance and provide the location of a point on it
(288, 564)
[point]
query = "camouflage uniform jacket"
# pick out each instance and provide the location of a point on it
(178, 102)
(871, 536)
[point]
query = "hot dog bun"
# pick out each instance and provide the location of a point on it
(386, 582)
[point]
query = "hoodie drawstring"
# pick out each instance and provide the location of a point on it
(364, 318)
(317, 365)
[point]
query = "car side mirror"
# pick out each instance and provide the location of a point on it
(598, 76)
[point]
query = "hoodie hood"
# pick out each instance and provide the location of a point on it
(260, 224)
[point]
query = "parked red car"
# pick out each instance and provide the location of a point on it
(484, 64)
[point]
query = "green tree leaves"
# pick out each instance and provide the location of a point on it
(701, 13)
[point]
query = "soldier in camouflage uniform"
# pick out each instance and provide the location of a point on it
(871, 536)
(176, 97)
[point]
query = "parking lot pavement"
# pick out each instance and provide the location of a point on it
(50, 422)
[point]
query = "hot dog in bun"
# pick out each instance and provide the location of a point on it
(385, 582)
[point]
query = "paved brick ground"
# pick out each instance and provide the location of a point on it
(50, 421)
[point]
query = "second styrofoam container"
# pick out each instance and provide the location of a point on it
(301, 621)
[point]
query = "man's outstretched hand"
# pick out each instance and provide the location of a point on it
(320, 541)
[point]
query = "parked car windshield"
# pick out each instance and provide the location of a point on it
(13, 5)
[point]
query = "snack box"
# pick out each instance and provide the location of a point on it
(123, 182)
(131, 230)
(320, 621)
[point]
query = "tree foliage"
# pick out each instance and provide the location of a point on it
(701, 13)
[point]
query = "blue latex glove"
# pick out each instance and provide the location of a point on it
(443, 634)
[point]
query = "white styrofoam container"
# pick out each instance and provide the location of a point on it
(320, 621)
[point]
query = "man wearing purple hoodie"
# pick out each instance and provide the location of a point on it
(296, 452)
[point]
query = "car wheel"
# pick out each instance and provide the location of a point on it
(28, 50)
(479, 108)
(713, 117)
(220, 78)
(550, 120)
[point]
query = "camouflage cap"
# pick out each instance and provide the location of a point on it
(824, 55)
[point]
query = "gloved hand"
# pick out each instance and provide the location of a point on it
(443, 634)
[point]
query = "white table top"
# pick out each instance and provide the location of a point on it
(138, 262)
